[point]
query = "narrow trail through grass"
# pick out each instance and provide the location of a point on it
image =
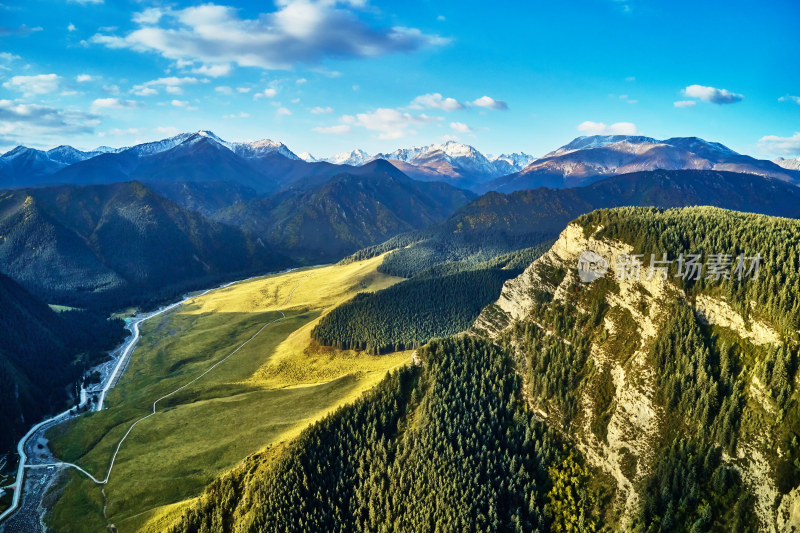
(155, 403)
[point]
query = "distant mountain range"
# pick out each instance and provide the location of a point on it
(324, 221)
(497, 223)
(262, 165)
(82, 227)
(460, 164)
(267, 166)
(588, 159)
(123, 243)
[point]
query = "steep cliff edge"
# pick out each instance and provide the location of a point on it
(633, 361)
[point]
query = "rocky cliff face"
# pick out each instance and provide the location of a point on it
(620, 372)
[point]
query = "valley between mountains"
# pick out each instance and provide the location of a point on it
(400, 342)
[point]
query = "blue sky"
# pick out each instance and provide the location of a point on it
(325, 76)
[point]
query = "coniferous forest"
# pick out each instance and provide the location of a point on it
(448, 442)
(376, 266)
(41, 353)
(408, 314)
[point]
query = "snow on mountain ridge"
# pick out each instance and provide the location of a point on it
(516, 160)
(69, 155)
(587, 142)
(261, 148)
(790, 164)
(355, 158)
(307, 157)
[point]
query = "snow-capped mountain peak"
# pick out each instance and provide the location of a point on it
(210, 135)
(307, 157)
(69, 155)
(21, 151)
(156, 147)
(261, 148)
(587, 142)
(516, 161)
(450, 149)
(355, 157)
(105, 149)
(790, 164)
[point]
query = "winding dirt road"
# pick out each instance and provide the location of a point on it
(125, 353)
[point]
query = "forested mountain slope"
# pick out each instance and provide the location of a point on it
(648, 374)
(646, 405)
(116, 244)
(497, 223)
(448, 442)
(438, 302)
(325, 221)
(41, 353)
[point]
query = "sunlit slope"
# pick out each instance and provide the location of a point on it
(265, 393)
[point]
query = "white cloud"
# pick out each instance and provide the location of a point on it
(299, 31)
(435, 101)
(8, 57)
(389, 123)
(625, 98)
(282, 111)
(321, 110)
(19, 123)
(243, 90)
(266, 93)
(117, 132)
(215, 71)
(712, 94)
(224, 90)
(85, 2)
(630, 79)
(148, 16)
(790, 98)
(301, 81)
(598, 128)
(169, 131)
(183, 104)
(781, 145)
(82, 78)
(171, 84)
(336, 130)
(460, 127)
(685, 103)
(169, 81)
(71, 27)
(490, 103)
(237, 115)
(113, 103)
(38, 84)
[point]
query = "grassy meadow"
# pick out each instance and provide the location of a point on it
(265, 394)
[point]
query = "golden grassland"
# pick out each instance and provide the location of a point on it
(265, 394)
